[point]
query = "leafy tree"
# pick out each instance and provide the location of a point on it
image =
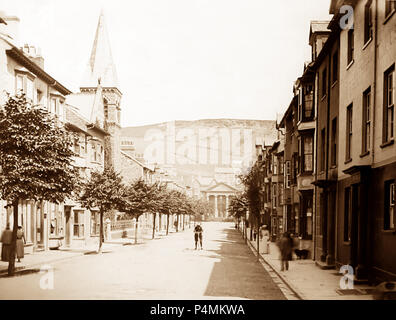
(105, 191)
(167, 204)
(35, 158)
(140, 197)
(238, 206)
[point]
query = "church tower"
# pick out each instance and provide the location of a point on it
(101, 73)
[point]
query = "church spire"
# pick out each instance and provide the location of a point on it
(100, 66)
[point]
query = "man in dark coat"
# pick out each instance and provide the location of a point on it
(198, 235)
(286, 249)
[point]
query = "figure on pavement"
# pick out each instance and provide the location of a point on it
(198, 236)
(286, 249)
(6, 239)
(20, 242)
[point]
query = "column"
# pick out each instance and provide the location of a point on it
(216, 208)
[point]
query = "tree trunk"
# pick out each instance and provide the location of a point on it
(154, 214)
(11, 261)
(136, 229)
(184, 222)
(167, 224)
(159, 221)
(258, 241)
(101, 231)
(177, 225)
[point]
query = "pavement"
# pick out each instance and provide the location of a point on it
(309, 281)
(166, 268)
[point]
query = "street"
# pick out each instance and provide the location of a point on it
(167, 268)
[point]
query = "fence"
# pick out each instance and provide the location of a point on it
(122, 224)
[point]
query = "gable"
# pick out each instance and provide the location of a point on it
(221, 187)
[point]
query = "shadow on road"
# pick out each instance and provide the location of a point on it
(238, 274)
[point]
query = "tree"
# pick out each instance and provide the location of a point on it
(251, 181)
(238, 208)
(35, 158)
(105, 191)
(140, 197)
(167, 204)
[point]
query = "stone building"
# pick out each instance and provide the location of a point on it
(367, 153)
(21, 70)
(339, 143)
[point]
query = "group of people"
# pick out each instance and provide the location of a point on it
(6, 240)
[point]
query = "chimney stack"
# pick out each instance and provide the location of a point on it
(34, 54)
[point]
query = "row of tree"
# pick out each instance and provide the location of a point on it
(246, 205)
(36, 163)
(106, 191)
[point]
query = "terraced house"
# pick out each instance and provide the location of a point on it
(339, 156)
(93, 114)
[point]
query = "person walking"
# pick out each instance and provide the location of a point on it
(6, 239)
(285, 247)
(198, 236)
(20, 243)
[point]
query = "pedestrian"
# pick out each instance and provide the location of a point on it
(285, 247)
(6, 239)
(198, 236)
(20, 243)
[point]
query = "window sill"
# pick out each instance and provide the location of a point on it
(334, 84)
(364, 154)
(347, 243)
(348, 161)
(350, 64)
(390, 231)
(389, 16)
(388, 143)
(367, 43)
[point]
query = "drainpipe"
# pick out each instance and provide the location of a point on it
(329, 224)
(316, 161)
(374, 100)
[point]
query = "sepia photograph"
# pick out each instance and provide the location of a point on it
(197, 155)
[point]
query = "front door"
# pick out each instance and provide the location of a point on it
(355, 211)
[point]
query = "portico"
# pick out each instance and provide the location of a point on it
(219, 196)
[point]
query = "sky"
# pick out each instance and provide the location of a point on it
(180, 59)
